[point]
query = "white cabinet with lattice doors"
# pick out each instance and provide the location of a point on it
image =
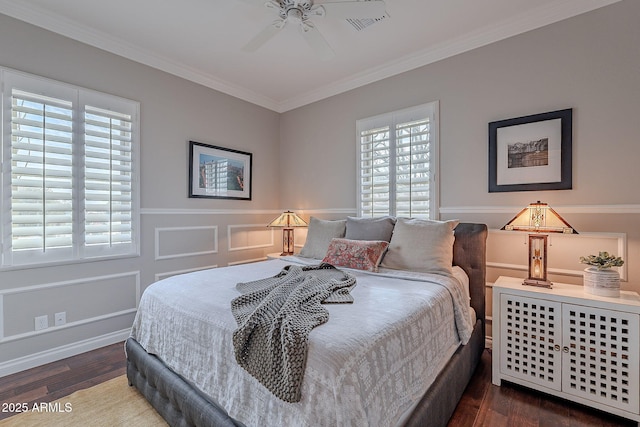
(568, 343)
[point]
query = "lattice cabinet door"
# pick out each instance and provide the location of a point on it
(600, 356)
(530, 340)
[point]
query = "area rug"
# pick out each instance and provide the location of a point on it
(112, 403)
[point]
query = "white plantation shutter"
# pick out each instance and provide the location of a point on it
(108, 201)
(41, 173)
(397, 163)
(69, 172)
(412, 178)
(375, 166)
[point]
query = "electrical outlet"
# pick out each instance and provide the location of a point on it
(60, 318)
(42, 322)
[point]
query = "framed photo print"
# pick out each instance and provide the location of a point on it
(531, 153)
(219, 173)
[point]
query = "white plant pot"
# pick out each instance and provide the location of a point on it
(605, 282)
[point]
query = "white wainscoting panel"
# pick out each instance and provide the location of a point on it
(179, 242)
(563, 252)
(249, 236)
(103, 297)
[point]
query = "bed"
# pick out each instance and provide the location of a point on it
(191, 396)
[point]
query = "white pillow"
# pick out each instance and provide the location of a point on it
(421, 245)
(319, 236)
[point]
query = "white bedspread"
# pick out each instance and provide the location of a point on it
(368, 365)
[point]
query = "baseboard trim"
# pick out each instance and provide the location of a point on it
(62, 352)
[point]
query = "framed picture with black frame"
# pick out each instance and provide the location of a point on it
(531, 153)
(218, 172)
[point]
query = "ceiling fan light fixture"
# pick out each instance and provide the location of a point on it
(301, 12)
(295, 14)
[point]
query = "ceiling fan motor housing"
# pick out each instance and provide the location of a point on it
(298, 11)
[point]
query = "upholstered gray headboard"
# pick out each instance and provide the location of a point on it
(469, 252)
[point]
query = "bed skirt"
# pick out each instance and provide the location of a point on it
(181, 404)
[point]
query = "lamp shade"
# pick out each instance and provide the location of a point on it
(539, 217)
(287, 219)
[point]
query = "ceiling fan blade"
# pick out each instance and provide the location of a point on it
(353, 9)
(264, 36)
(316, 41)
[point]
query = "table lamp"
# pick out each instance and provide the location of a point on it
(539, 218)
(287, 221)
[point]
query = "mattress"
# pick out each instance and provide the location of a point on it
(369, 364)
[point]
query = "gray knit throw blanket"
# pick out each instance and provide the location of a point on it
(275, 316)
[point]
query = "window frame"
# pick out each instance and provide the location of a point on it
(428, 110)
(79, 251)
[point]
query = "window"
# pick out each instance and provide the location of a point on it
(397, 162)
(69, 177)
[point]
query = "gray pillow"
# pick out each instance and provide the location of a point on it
(370, 228)
(421, 245)
(319, 236)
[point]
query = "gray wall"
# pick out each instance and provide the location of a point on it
(100, 297)
(590, 63)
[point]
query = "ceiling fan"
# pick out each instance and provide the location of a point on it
(300, 12)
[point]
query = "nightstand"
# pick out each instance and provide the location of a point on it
(568, 343)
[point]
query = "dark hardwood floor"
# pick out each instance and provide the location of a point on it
(58, 379)
(483, 404)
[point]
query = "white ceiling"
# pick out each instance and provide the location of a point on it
(201, 40)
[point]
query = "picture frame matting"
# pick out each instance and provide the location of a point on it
(531, 153)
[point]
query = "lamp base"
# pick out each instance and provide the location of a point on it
(287, 242)
(537, 282)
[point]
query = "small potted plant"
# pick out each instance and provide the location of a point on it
(599, 278)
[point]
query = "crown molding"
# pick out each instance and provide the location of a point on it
(71, 29)
(537, 18)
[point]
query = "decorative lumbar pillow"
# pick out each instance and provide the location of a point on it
(319, 236)
(421, 245)
(358, 254)
(370, 228)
